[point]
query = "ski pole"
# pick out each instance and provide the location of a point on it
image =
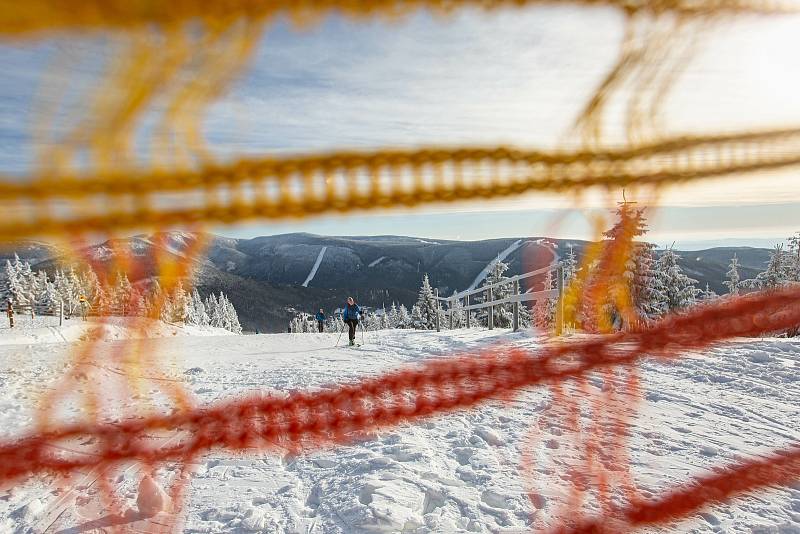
(362, 333)
(341, 331)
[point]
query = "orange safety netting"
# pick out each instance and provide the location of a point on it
(183, 55)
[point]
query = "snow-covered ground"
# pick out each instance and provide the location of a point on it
(455, 473)
(46, 329)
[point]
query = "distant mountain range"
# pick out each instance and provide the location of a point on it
(269, 278)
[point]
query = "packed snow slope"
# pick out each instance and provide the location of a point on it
(455, 473)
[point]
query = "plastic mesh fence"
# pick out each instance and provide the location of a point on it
(93, 181)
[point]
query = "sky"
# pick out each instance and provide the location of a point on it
(512, 76)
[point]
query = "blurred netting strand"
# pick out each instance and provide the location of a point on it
(98, 173)
(47, 15)
(273, 188)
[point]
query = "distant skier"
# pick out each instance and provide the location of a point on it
(352, 314)
(320, 317)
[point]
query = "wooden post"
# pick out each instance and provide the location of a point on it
(10, 312)
(560, 307)
(515, 321)
(466, 301)
(60, 313)
(436, 294)
(450, 312)
(491, 310)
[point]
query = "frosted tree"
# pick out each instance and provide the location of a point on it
(427, 306)
(167, 312)
(638, 270)
(570, 265)
(416, 317)
(503, 313)
(392, 316)
(181, 303)
(235, 325)
(49, 296)
(457, 311)
(734, 279)
(11, 280)
(385, 321)
(544, 310)
(793, 258)
(676, 290)
(778, 271)
(708, 293)
(403, 317)
(198, 309)
(122, 294)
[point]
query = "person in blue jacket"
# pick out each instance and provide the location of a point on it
(352, 313)
(320, 317)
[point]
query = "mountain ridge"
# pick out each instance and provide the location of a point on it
(264, 276)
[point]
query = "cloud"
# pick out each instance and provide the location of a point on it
(511, 76)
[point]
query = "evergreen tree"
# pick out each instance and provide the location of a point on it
(393, 316)
(198, 314)
(570, 266)
(167, 312)
(638, 271)
(403, 317)
(778, 271)
(233, 319)
(180, 303)
(544, 310)
(733, 281)
(793, 258)
(708, 293)
(503, 313)
(457, 311)
(676, 290)
(427, 306)
(416, 317)
(121, 295)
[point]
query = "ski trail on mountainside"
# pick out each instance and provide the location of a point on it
(315, 267)
(500, 257)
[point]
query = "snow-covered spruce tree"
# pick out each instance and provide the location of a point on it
(181, 303)
(457, 311)
(416, 320)
(392, 316)
(544, 310)
(503, 313)
(121, 295)
(734, 279)
(199, 313)
(10, 281)
(570, 265)
(21, 283)
(675, 290)
(776, 275)
(386, 323)
(638, 271)
(230, 317)
(793, 258)
(403, 317)
(708, 294)
(427, 306)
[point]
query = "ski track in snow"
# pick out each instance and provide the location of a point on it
(454, 473)
(500, 257)
(376, 262)
(313, 272)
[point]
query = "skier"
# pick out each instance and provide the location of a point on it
(320, 317)
(351, 316)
